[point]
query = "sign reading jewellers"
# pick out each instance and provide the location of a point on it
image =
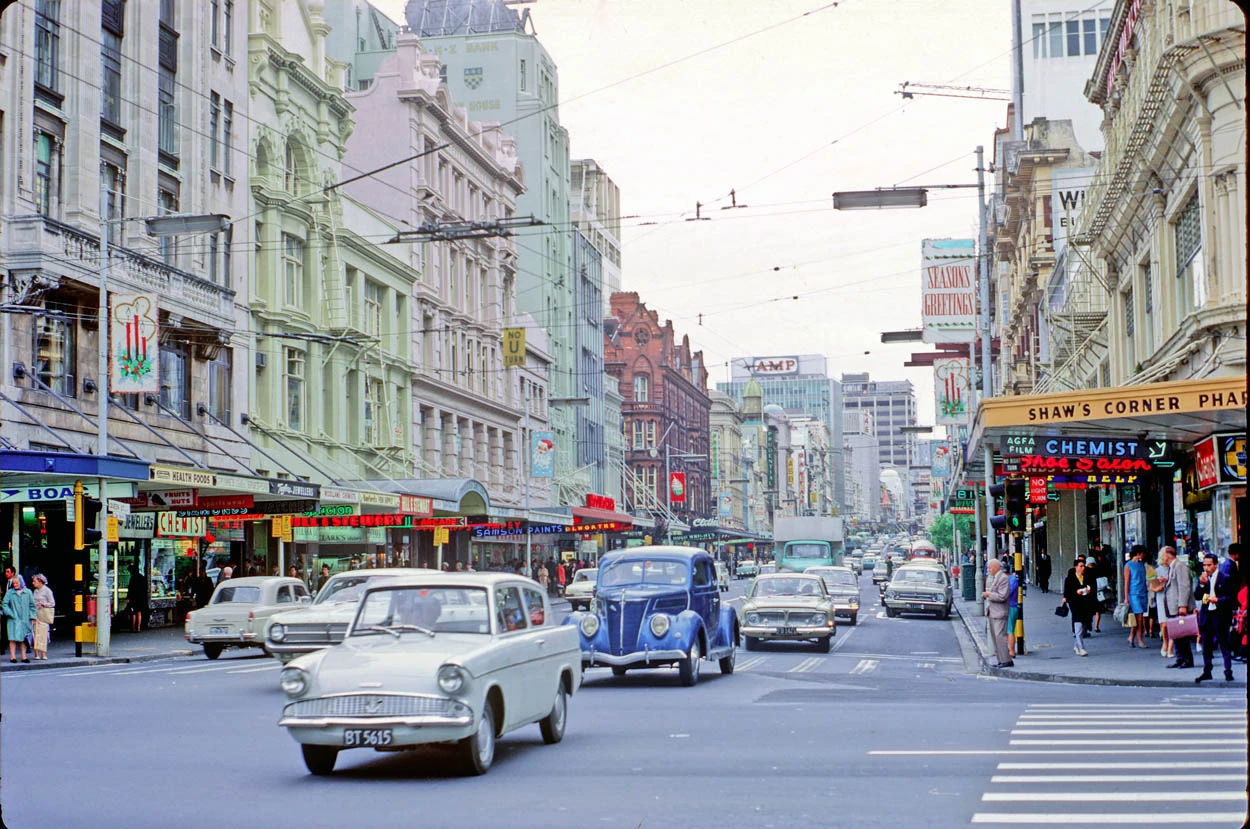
(294, 489)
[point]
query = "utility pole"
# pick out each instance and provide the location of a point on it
(103, 601)
(987, 372)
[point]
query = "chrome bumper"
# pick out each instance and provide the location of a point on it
(915, 604)
(646, 657)
(232, 639)
(414, 721)
(804, 632)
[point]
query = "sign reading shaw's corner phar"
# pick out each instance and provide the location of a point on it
(1211, 394)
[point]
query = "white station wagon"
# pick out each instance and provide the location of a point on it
(235, 616)
(460, 658)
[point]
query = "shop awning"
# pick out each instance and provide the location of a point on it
(465, 496)
(593, 515)
(63, 465)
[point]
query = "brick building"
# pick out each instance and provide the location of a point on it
(666, 408)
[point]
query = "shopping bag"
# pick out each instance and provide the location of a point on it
(1062, 610)
(1122, 614)
(1183, 627)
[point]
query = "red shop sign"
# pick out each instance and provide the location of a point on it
(1205, 467)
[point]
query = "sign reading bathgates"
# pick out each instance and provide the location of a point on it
(948, 291)
(513, 347)
(133, 357)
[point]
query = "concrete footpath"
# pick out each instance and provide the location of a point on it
(1049, 655)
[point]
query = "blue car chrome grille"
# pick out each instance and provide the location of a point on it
(624, 620)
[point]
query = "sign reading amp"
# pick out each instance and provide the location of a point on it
(775, 365)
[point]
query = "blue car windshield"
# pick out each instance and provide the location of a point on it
(641, 571)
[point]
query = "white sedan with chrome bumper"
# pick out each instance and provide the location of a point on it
(444, 658)
(788, 606)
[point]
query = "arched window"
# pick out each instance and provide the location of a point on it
(295, 169)
(642, 388)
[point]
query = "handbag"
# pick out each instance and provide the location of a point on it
(1062, 611)
(1183, 627)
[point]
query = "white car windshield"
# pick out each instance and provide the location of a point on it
(836, 577)
(429, 610)
(787, 587)
(637, 571)
(242, 595)
(919, 574)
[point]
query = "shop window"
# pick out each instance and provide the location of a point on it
(219, 385)
(374, 402)
(111, 78)
(374, 298)
(176, 380)
(56, 349)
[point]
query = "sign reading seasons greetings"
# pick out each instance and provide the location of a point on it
(948, 290)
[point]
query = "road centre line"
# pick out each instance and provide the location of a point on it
(1181, 764)
(905, 658)
(1085, 706)
(1198, 780)
(252, 670)
(1112, 797)
(1037, 732)
(1192, 743)
(1090, 818)
(1020, 752)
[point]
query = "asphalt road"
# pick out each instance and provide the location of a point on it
(892, 728)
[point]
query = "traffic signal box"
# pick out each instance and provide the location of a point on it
(86, 517)
(1017, 505)
(998, 522)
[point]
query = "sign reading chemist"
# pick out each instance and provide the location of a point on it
(1091, 447)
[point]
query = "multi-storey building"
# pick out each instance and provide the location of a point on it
(596, 210)
(111, 112)
(799, 384)
(892, 404)
(495, 66)
(862, 465)
(665, 411)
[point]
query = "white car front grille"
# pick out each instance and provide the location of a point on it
(369, 705)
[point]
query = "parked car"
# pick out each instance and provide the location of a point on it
(236, 614)
(747, 569)
(767, 569)
(722, 576)
(658, 606)
(581, 590)
(788, 606)
(459, 658)
(920, 588)
(843, 589)
(293, 633)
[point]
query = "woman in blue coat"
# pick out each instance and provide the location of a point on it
(1136, 594)
(19, 614)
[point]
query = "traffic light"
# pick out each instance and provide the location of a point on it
(1017, 505)
(86, 517)
(998, 522)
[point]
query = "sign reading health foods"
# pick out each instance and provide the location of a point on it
(948, 290)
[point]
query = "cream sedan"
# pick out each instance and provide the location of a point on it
(582, 589)
(238, 611)
(458, 658)
(788, 606)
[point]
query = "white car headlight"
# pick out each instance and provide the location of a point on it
(294, 681)
(277, 633)
(589, 625)
(660, 624)
(753, 618)
(451, 679)
(889, 594)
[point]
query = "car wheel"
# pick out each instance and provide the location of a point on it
(552, 725)
(727, 662)
(320, 759)
(689, 667)
(824, 645)
(891, 612)
(618, 670)
(854, 619)
(212, 651)
(478, 750)
(946, 613)
(752, 643)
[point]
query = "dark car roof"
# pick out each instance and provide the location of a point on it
(657, 551)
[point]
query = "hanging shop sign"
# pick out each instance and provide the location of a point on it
(294, 489)
(600, 502)
(1040, 464)
(224, 501)
(953, 390)
(138, 525)
(601, 527)
(134, 335)
(770, 459)
(1206, 469)
(411, 504)
(173, 525)
(507, 528)
(941, 459)
(948, 290)
(1220, 459)
(340, 496)
(677, 487)
(379, 499)
(182, 476)
(543, 455)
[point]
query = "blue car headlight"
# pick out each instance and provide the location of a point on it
(660, 623)
(589, 625)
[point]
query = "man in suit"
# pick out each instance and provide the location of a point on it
(1211, 595)
(1177, 596)
(997, 595)
(1230, 569)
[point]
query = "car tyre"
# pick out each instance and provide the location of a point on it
(319, 759)
(752, 643)
(212, 651)
(552, 725)
(618, 670)
(689, 667)
(478, 749)
(727, 662)
(854, 619)
(824, 644)
(891, 612)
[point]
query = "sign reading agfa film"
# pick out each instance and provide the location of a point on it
(948, 292)
(953, 390)
(543, 455)
(133, 334)
(513, 347)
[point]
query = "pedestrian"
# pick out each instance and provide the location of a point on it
(543, 579)
(1135, 594)
(1157, 586)
(1152, 614)
(1214, 615)
(1043, 571)
(292, 572)
(226, 573)
(551, 576)
(45, 613)
(561, 579)
(136, 597)
(19, 613)
(1230, 570)
(1013, 613)
(996, 596)
(1078, 595)
(1175, 600)
(203, 588)
(324, 577)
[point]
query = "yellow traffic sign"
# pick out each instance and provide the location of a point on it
(513, 347)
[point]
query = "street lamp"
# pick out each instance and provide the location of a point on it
(882, 198)
(172, 225)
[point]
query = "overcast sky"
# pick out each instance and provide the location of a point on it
(785, 117)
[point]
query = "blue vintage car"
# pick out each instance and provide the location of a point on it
(657, 606)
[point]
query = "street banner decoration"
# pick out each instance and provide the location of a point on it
(543, 455)
(941, 459)
(726, 505)
(133, 336)
(513, 347)
(953, 390)
(677, 487)
(948, 291)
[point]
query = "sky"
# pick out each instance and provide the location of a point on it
(784, 108)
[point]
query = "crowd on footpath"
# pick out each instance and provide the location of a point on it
(1159, 598)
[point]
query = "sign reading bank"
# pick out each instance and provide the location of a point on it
(772, 366)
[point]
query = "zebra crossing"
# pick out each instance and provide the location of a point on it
(1187, 766)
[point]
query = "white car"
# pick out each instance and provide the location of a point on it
(294, 633)
(788, 606)
(581, 590)
(236, 615)
(460, 658)
(722, 576)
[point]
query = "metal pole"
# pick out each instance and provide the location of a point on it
(104, 606)
(1017, 550)
(987, 369)
(668, 492)
(529, 564)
